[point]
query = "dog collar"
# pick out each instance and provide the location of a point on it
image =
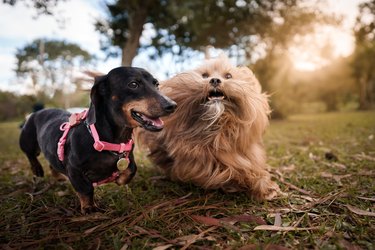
(102, 145)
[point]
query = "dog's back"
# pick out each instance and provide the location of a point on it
(36, 137)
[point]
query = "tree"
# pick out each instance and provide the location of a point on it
(183, 25)
(43, 7)
(51, 65)
(333, 84)
(364, 54)
(13, 106)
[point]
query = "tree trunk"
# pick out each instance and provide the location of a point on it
(130, 48)
(207, 54)
(363, 100)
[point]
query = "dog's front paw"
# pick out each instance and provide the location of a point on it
(91, 209)
(88, 204)
(272, 192)
(266, 189)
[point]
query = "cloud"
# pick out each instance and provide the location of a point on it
(20, 27)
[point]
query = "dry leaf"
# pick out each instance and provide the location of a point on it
(291, 186)
(63, 193)
(264, 247)
(245, 218)
(90, 230)
(276, 228)
(337, 178)
(366, 173)
(278, 220)
(90, 217)
(366, 198)
(313, 157)
(209, 221)
(288, 168)
(188, 238)
(360, 211)
(305, 197)
(163, 247)
(334, 165)
(363, 156)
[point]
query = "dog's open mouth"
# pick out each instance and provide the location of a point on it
(215, 95)
(149, 123)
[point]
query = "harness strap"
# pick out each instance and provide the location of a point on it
(112, 178)
(74, 120)
(102, 145)
(98, 145)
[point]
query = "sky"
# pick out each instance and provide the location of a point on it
(19, 27)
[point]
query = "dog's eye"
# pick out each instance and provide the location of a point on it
(205, 75)
(228, 76)
(133, 85)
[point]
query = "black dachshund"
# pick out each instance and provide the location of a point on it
(90, 148)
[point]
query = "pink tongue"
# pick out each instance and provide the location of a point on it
(155, 122)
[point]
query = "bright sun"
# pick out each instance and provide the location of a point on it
(315, 50)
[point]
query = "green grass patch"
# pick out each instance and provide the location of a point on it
(325, 164)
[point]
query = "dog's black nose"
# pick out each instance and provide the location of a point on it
(170, 107)
(215, 82)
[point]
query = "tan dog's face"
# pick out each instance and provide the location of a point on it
(217, 88)
(225, 81)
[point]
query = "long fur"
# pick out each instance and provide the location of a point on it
(215, 144)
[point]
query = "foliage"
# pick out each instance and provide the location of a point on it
(333, 84)
(51, 64)
(14, 107)
(291, 90)
(43, 7)
(180, 26)
(364, 55)
(325, 163)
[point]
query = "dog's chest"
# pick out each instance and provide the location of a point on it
(101, 166)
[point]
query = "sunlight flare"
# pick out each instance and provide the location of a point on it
(317, 49)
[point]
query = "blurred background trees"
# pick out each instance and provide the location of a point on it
(51, 67)
(179, 26)
(42, 7)
(364, 54)
(261, 34)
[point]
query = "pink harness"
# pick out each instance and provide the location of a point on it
(99, 145)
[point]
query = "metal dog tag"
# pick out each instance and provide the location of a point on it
(122, 164)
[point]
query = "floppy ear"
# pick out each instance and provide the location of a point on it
(247, 75)
(245, 71)
(96, 94)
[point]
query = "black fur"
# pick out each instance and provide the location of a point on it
(82, 164)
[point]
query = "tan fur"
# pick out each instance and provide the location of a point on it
(149, 107)
(215, 144)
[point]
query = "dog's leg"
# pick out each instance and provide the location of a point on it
(258, 178)
(85, 190)
(57, 175)
(36, 167)
(87, 203)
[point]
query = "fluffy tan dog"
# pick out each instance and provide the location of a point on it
(214, 138)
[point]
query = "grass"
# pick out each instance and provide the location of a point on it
(324, 163)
